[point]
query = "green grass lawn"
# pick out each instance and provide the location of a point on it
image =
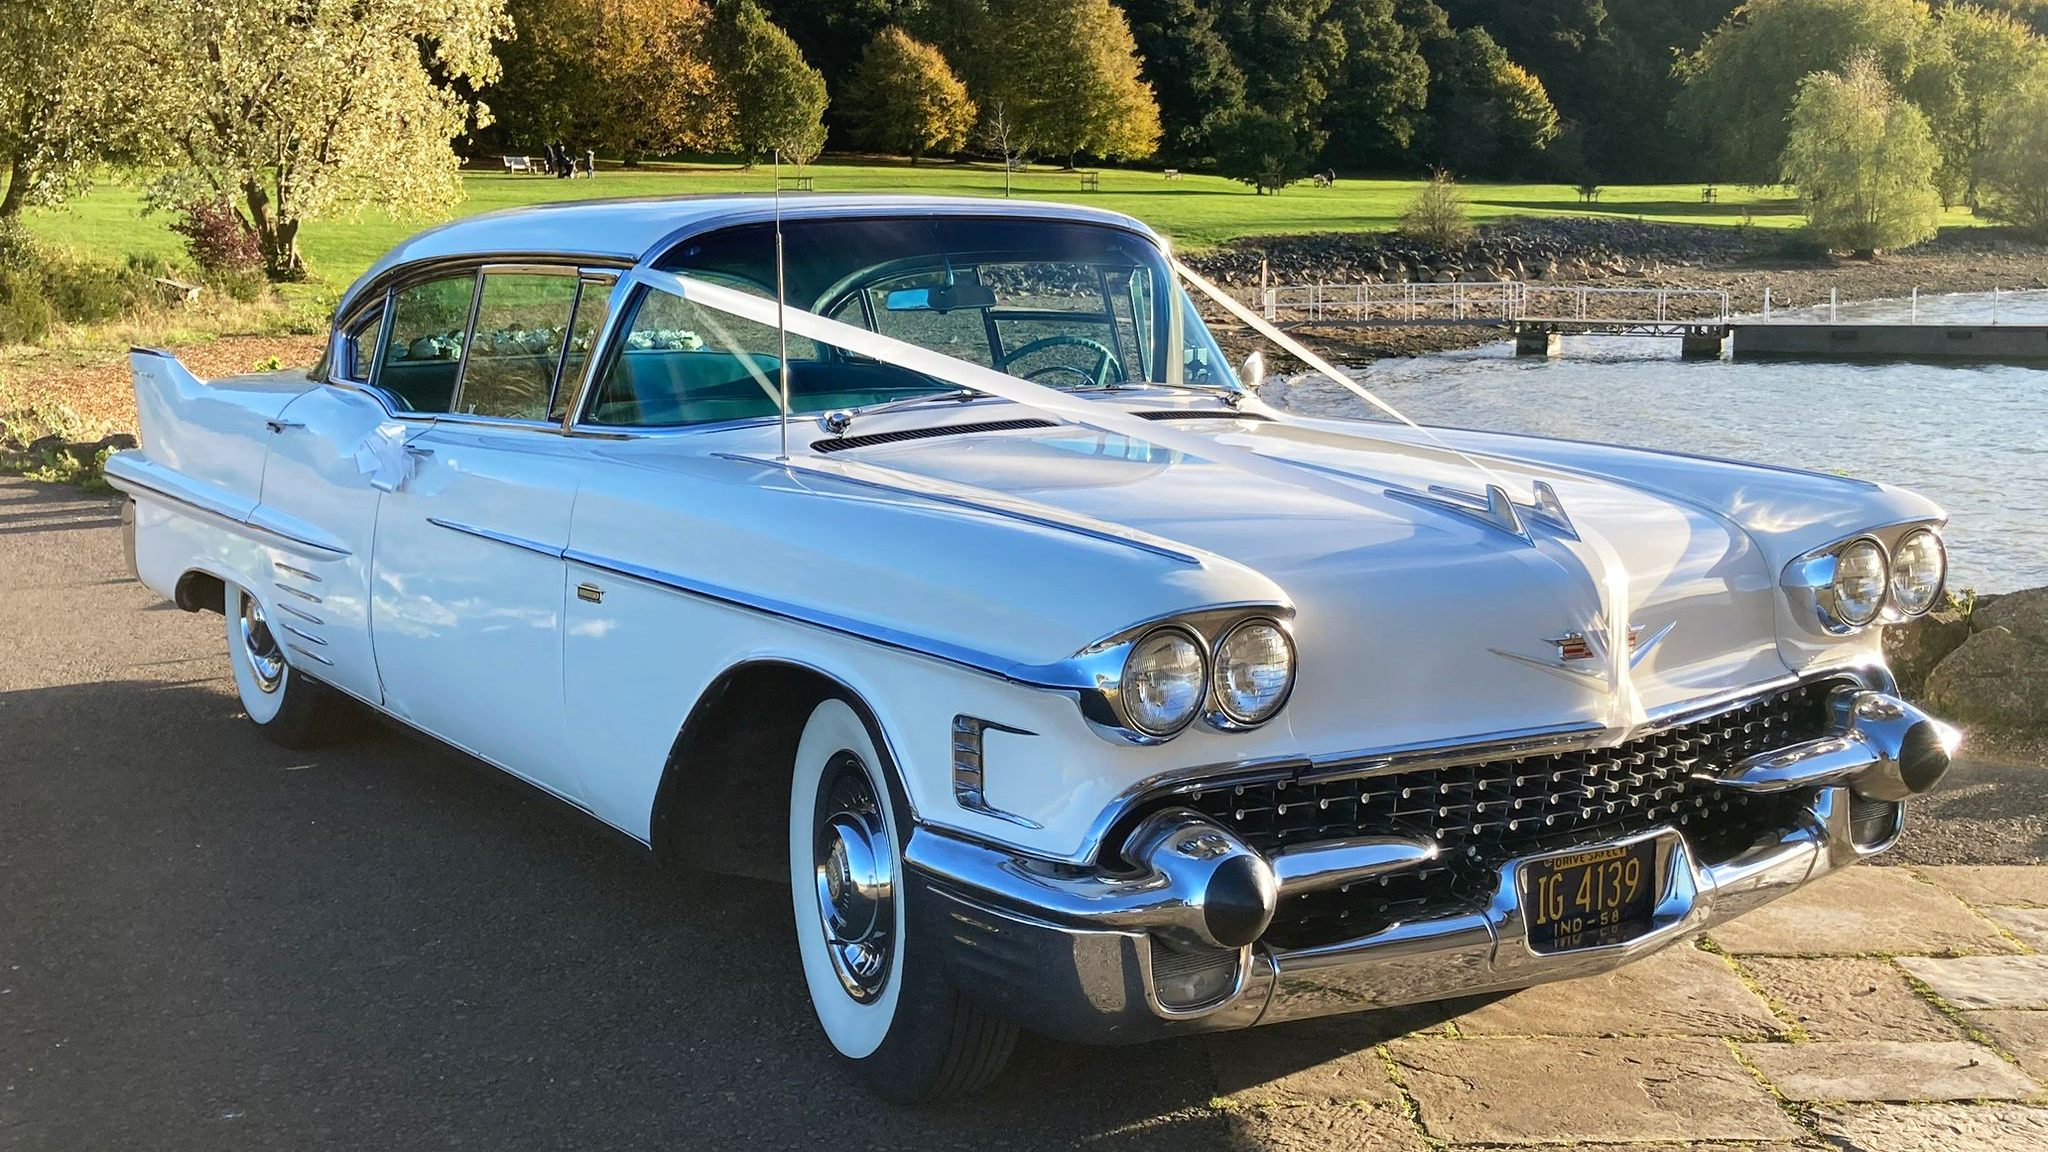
(1196, 211)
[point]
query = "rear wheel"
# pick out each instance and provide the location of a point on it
(288, 708)
(884, 1001)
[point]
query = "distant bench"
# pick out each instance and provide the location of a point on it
(800, 183)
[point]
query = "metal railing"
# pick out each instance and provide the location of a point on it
(1504, 302)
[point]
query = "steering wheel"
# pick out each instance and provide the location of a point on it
(1105, 359)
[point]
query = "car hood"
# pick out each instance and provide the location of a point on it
(1391, 587)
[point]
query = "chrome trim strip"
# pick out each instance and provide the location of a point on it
(1077, 526)
(308, 637)
(134, 485)
(301, 573)
(506, 538)
(311, 655)
(308, 617)
(308, 597)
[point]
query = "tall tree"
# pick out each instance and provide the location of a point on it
(1990, 56)
(1291, 53)
(1488, 115)
(60, 97)
(1740, 84)
(2012, 171)
(832, 35)
(904, 98)
(293, 111)
(1259, 149)
(774, 98)
(1189, 65)
(1067, 70)
(1382, 92)
(1863, 160)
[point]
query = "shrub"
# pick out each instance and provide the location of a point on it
(18, 250)
(24, 314)
(1863, 161)
(1438, 214)
(216, 238)
(2012, 173)
(84, 292)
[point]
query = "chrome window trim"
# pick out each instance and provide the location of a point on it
(587, 279)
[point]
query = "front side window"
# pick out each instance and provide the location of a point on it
(423, 355)
(522, 326)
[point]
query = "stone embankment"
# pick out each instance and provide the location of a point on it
(1984, 664)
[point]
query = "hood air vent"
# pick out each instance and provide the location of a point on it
(1190, 414)
(848, 442)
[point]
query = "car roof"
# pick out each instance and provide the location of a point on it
(640, 228)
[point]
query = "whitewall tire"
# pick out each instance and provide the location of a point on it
(287, 707)
(883, 1000)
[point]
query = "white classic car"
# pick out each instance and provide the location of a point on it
(926, 553)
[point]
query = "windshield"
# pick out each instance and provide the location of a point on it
(1066, 305)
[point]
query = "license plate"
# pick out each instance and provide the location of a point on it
(1587, 899)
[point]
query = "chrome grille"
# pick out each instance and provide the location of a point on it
(1482, 815)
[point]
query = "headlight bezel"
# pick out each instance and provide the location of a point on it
(1810, 580)
(1892, 595)
(1095, 674)
(1218, 712)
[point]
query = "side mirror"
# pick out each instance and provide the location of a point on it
(1252, 372)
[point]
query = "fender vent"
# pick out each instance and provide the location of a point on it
(848, 442)
(1185, 414)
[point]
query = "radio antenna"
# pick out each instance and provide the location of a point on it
(781, 326)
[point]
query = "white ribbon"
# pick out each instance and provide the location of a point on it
(381, 456)
(1605, 614)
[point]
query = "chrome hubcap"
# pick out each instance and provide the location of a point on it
(266, 659)
(854, 871)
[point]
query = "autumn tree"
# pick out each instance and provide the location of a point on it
(1190, 66)
(773, 99)
(1067, 70)
(904, 98)
(60, 97)
(1488, 114)
(1863, 160)
(293, 111)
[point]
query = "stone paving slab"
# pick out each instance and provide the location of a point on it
(2028, 925)
(2024, 1034)
(1992, 883)
(1557, 1090)
(1862, 910)
(1934, 1128)
(1339, 1128)
(1328, 1061)
(1850, 998)
(1681, 991)
(1984, 981)
(1880, 1070)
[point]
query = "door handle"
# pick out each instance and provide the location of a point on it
(281, 425)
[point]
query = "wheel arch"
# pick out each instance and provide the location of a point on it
(722, 802)
(200, 590)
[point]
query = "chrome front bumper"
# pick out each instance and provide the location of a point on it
(1089, 957)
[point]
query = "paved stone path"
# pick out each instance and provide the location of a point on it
(1885, 1009)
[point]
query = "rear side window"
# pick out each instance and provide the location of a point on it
(424, 353)
(522, 324)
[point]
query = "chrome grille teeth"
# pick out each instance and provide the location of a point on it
(1483, 814)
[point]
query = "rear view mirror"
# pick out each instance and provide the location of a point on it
(944, 298)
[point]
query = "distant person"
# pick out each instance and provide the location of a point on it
(568, 171)
(554, 159)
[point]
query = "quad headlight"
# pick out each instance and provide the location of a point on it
(1164, 681)
(1919, 569)
(1856, 595)
(1252, 673)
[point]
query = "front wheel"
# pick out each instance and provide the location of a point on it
(884, 1001)
(289, 709)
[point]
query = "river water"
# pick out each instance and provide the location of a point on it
(1973, 437)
